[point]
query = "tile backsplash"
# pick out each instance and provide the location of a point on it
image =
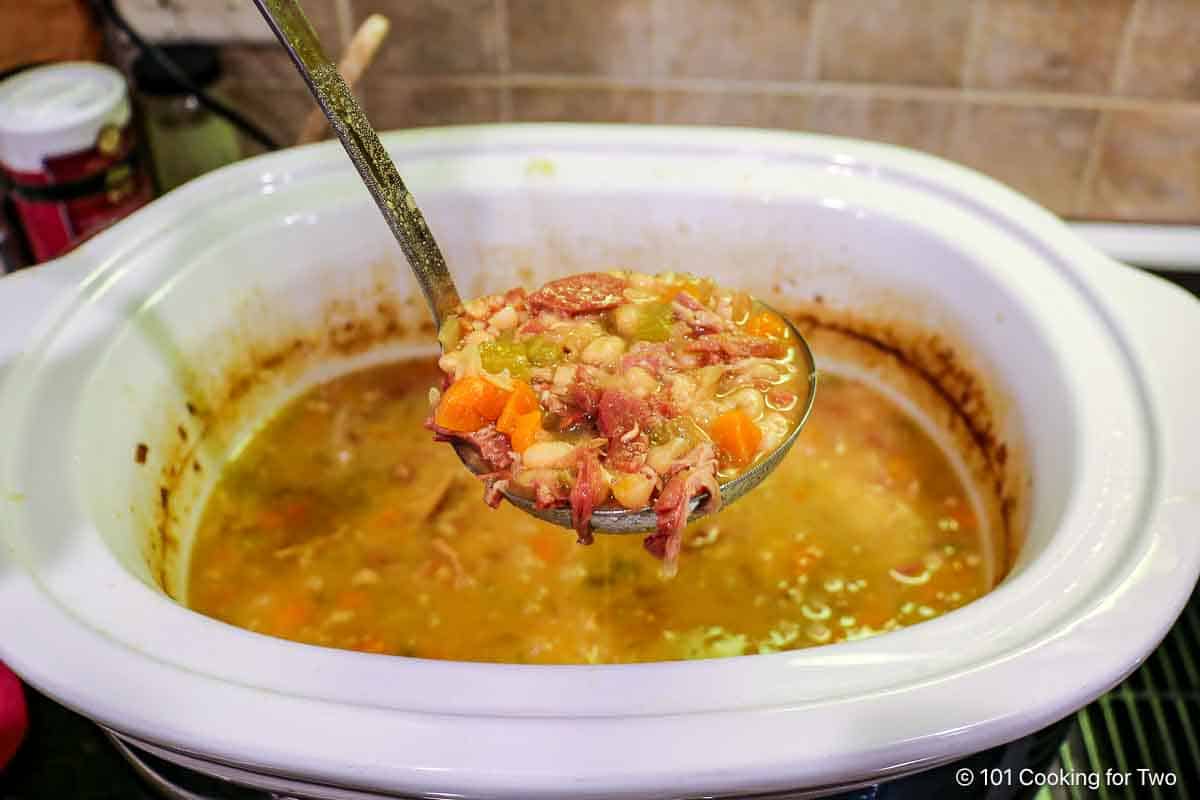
(1092, 107)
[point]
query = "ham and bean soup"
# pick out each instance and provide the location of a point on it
(341, 524)
(620, 389)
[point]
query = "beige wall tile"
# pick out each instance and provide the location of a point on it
(749, 109)
(611, 37)
(1149, 167)
(733, 39)
(921, 124)
(1051, 45)
(1038, 151)
(916, 42)
(323, 15)
(1165, 57)
(410, 107)
(554, 104)
(269, 64)
(259, 65)
(435, 37)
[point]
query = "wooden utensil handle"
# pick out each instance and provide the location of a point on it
(358, 56)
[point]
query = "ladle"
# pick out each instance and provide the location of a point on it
(399, 209)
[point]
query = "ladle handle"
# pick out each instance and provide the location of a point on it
(375, 166)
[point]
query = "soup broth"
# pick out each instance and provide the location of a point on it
(343, 524)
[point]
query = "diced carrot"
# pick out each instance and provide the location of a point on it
(290, 514)
(295, 512)
(901, 470)
(469, 404)
(352, 599)
(370, 644)
(873, 613)
(385, 518)
(520, 402)
(765, 323)
(548, 546)
(292, 615)
(964, 516)
(699, 288)
(737, 435)
(491, 400)
(271, 519)
(526, 430)
(805, 558)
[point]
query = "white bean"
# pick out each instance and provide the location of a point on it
(448, 363)
(704, 412)
(604, 352)
(632, 489)
(708, 378)
(504, 319)
(475, 337)
(564, 376)
(476, 308)
(683, 390)
(775, 427)
(626, 318)
(640, 382)
(748, 400)
(547, 454)
(661, 457)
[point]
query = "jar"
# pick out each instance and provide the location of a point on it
(185, 139)
(68, 153)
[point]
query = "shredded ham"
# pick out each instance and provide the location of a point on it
(657, 359)
(494, 486)
(620, 391)
(589, 491)
(495, 450)
(549, 491)
(697, 317)
(694, 475)
(492, 445)
(723, 348)
(623, 418)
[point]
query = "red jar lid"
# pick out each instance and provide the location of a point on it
(14, 717)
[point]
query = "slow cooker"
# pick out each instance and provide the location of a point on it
(111, 345)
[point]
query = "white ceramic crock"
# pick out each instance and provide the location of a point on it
(1092, 354)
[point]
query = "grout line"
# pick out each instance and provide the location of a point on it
(975, 28)
(504, 56)
(816, 34)
(971, 48)
(929, 94)
(1091, 167)
(1125, 49)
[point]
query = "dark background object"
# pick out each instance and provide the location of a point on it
(108, 10)
(199, 62)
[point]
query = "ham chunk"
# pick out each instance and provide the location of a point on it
(696, 475)
(624, 420)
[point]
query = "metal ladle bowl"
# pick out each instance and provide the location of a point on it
(408, 225)
(614, 519)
